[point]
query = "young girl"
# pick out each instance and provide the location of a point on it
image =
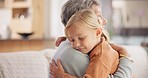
(84, 31)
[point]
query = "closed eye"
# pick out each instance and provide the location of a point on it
(82, 38)
(72, 40)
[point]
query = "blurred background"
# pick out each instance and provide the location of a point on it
(35, 24)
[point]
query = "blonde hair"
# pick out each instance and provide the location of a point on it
(88, 17)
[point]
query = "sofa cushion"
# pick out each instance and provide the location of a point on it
(28, 64)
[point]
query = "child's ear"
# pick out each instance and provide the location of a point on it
(99, 32)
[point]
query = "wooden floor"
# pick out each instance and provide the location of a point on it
(23, 45)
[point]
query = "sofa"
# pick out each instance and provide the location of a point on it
(35, 64)
(25, 64)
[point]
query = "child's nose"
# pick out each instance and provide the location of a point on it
(76, 44)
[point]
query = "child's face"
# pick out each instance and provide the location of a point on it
(82, 38)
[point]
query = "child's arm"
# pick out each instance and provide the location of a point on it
(57, 71)
(124, 70)
(59, 40)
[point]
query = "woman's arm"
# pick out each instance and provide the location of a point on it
(125, 64)
(124, 70)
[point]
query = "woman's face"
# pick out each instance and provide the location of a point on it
(82, 38)
(98, 12)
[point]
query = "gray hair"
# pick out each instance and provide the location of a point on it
(73, 6)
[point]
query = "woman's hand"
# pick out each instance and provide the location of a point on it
(122, 51)
(59, 40)
(56, 70)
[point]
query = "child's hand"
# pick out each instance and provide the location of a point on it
(56, 70)
(59, 40)
(122, 51)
